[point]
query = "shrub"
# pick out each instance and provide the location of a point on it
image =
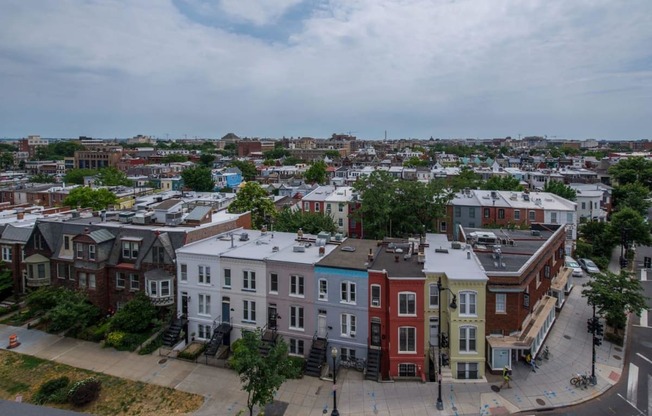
(152, 346)
(295, 367)
(136, 316)
(84, 391)
(186, 355)
(53, 391)
(614, 338)
(114, 339)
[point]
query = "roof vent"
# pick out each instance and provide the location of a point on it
(456, 245)
(348, 248)
(244, 237)
(275, 249)
(536, 233)
(441, 250)
(299, 249)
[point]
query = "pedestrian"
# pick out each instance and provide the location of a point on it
(532, 363)
(507, 376)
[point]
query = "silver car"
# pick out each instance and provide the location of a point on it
(572, 264)
(589, 266)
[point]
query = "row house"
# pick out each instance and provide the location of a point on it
(113, 259)
(13, 238)
(337, 202)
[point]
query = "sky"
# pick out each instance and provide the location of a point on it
(371, 68)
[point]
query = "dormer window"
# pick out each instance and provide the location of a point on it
(79, 250)
(130, 249)
(91, 252)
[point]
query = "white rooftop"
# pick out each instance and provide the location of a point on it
(457, 264)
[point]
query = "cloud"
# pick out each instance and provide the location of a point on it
(314, 67)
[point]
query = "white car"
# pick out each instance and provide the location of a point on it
(589, 266)
(572, 264)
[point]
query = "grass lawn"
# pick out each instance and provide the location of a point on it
(24, 374)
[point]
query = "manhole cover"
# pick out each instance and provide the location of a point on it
(454, 409)
(567, 336)
(618, 357)
(163, 361)
(495, 388)
(540, 402)
(618, 349)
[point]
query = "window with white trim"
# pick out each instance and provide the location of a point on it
(347, 354)
(340, 222)
(91, 281)
(532, 215)
(296, 285)
(407, 339)
(375, 296)
(517, 214)
(347, 292)
(79, 250)
(433, 295)
(130, 249)
(248, 280)
(273, 283)
(184, 272)
(306, 206)
(407, 303)
(467, 303)
(467, 371)
(323, 289)
(317, 207)
(82, 279)
(134, 281)
(249, 311)
(347, 325)
(296, 317)
(204, 273)
(91, 251)
(204, 307)
(501, 302)
(467, 339)
(165, 288)
(296, 346)
(227, 278)
(204, 331)
(407, 370)
(66, 242)
(7, 253)
(120, 279)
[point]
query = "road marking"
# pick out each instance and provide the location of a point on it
(643, 357)
(643, 275)
(631, 404)
(649, 395)
(632, 384)
(644, 318)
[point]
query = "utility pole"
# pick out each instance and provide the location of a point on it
(596, 329)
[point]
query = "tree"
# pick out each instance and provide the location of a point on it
(42, 178)
(291, 161)
(174, 158)
(629, 225)
(635, 169)
(276, 153)
(207, 160)
(310, 222)
(377, 191)
(467, 178)
(559, 189)
(86, 197)
(502, 183)
(634, 195)
(316, 172)
(112, 177)
(614, 296)
(6, 161)
(72, 311)
(76, 176)
(248, 169)
(260, 376)
(332, 154)
(414, 162)
(199, 179)
(135, 316)
(596, 235)
(252, 197)
(6, 283)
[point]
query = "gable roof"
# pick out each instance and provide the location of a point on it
(101, 235)
(16, 234)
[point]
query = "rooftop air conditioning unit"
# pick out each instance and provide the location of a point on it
(299, 249)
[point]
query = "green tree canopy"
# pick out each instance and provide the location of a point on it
(634, 195)
(310, 222)
(629, 225)
(76, 176)
(596, 235)
(316, 173)
(252, 197)
(135, 316)
(6, 160)
(6, 283)
(634, 169)
(174, 158)
(86, 197)
(615, 295)
(415, 161)
(112, 177)
(72, 311)
(276, 153)
(247, 168)
(467, 178)
(332, 154)
(260, 376)
(58, 150)
(198, 178)
(42, 178)
(502, 183)
(291, 161)
(558, 188)
(207, 160)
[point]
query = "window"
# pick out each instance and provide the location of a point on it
(41, 270)
(130, 249)
(407, 339)
(471, 212)
(91, 252)
(317, 207)
(203, 331)
(296, 346)
(347, 292)
(296, 317)
(7, 254)
(375, 296)
(119, 280)
(407, 303)
(467, 339)
(442, 226)
(296, 285)
(158, 255)
(407, 370)
(82, 279)
(538, 279)
(184, 272)
(501, 303)
(347, 325)
(328, 208)
(165, 288)
(66, 242)
(91, 281)
(532, 215)
(501, 214)
(306, 206)
(569, 217)
(249, 311)
(204, 307)
(340, 222)
(227, 277)
(467, 303)
(152, 289)
(273, 283)
(134, 281)
(467, 371)
(340, 207)
(323, 289)
(553, 217)
(62, 270)
(458, 211)
(434, 296)
(487, 212)
(517, 214)
(248, 280)
(583, 205)
(79, 249)
(204, 275)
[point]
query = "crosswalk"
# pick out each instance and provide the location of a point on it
(633, 385)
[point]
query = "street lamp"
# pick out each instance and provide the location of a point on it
(453, 305)
(334, 355)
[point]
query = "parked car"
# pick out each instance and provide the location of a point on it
(588, 266)
(572, 264)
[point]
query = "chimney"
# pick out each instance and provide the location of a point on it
(468, 255)
(370, 256)
(20, 216)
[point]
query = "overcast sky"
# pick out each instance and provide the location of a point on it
(271, 68)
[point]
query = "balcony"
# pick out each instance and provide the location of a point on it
(37, 282)
(161, 300)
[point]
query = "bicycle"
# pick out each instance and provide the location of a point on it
(355, 363)
(580, 380)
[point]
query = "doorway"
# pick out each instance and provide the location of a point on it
(226, 309)
(321, 324)
(434, 332)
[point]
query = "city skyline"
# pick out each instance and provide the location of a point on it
(446, 69)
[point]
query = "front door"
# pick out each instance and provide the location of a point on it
(434, 332)
(375, 332)
(184, 304)
(321, 326)
(226, 309)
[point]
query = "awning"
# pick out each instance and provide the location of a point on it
(559, 283)
(36, 258)
(529, 334)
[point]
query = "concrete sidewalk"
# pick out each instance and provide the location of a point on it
(569, 343)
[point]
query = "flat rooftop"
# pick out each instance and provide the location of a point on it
(442, 256)
(351, 254)
(399, 259)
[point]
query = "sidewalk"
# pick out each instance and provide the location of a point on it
(569, 343)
